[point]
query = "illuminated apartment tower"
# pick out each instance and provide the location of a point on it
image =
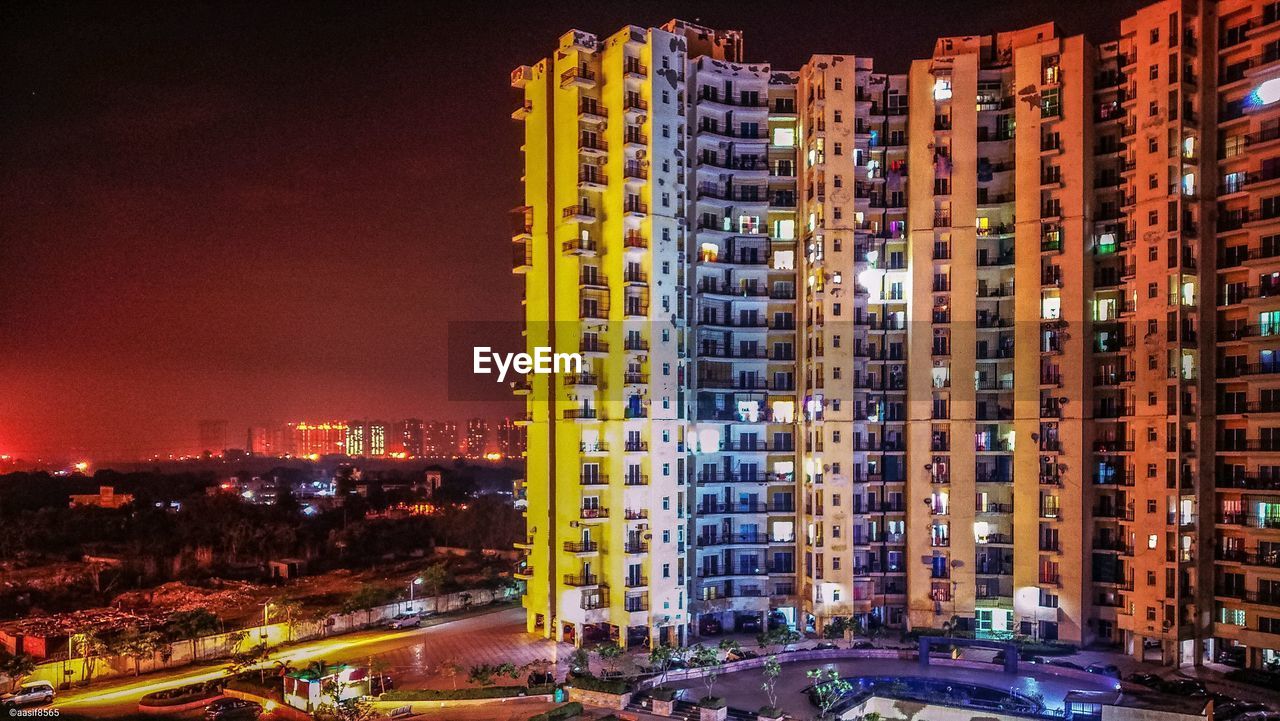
(998, 228)
(1246, 508)
(852, 190)
(742, 214)
(1148, 566)
(602, 249)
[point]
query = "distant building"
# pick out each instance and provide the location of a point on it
(367, 438)
(268, 440)
(213, 437)
(431, 479)
(441, 440)
(106, 497)
(407, 437)
(317, 439)
(477, 438)
(510, 439)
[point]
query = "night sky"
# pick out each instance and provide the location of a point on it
(266, 213)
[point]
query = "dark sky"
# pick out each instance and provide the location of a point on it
(271, 210)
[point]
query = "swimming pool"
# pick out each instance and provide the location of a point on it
(943, 691)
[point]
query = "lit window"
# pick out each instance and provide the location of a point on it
(942, 89)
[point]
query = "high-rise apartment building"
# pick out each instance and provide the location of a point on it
(510, 438)
(213, 437)
(316, 439)
(407, 438)
(440, 439)
(367, 438)
(477, 442)
(988, 346)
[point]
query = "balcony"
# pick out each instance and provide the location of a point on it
(748, 508)
(581, 547)
(594, 514)
(580, 213)
(579, 77)
(580, 580)
(636, 547)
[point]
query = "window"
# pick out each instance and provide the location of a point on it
(839, 84)
(837, 116)
(1154, 71)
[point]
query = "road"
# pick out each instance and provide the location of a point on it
(414, 657)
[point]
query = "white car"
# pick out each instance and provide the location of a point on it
(30, 694)
(405, 620)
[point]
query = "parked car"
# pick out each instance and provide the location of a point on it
(825, 646)
(541, 678)
(710, 626)
(748, 624)
(1233, 709)
(739, 654)
(1231, 656)
(232, 709)
(1104, 669)
(405, 620)
(862, 645)
(1022, 656)
(777, 619)
(1185, 687)
(1066, 664)
(1150, 680)
(34, 693)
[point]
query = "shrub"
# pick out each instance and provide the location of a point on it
(600, 685)
(182, 694)
(455, 694)
(713, 702)
(662, 693)
(569, 710)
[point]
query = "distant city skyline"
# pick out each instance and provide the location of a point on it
(198, 436)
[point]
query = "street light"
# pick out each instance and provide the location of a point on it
(266, 607)
(416, 582)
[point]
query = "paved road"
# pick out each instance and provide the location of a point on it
(417, 657)
(413, 656)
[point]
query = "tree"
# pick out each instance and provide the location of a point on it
(89, 644)
(191, 625)
(366, 599)
(828, 689)
(580, 661)
(434, 580)
(450, 668)
(137, 644)
(781, 636)
(771, 670)
(336, 708)
(16, 667)
(287, 612)
(609, 653)
(834, 629)
(708, 659)
(487, 675)
(660, 658)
